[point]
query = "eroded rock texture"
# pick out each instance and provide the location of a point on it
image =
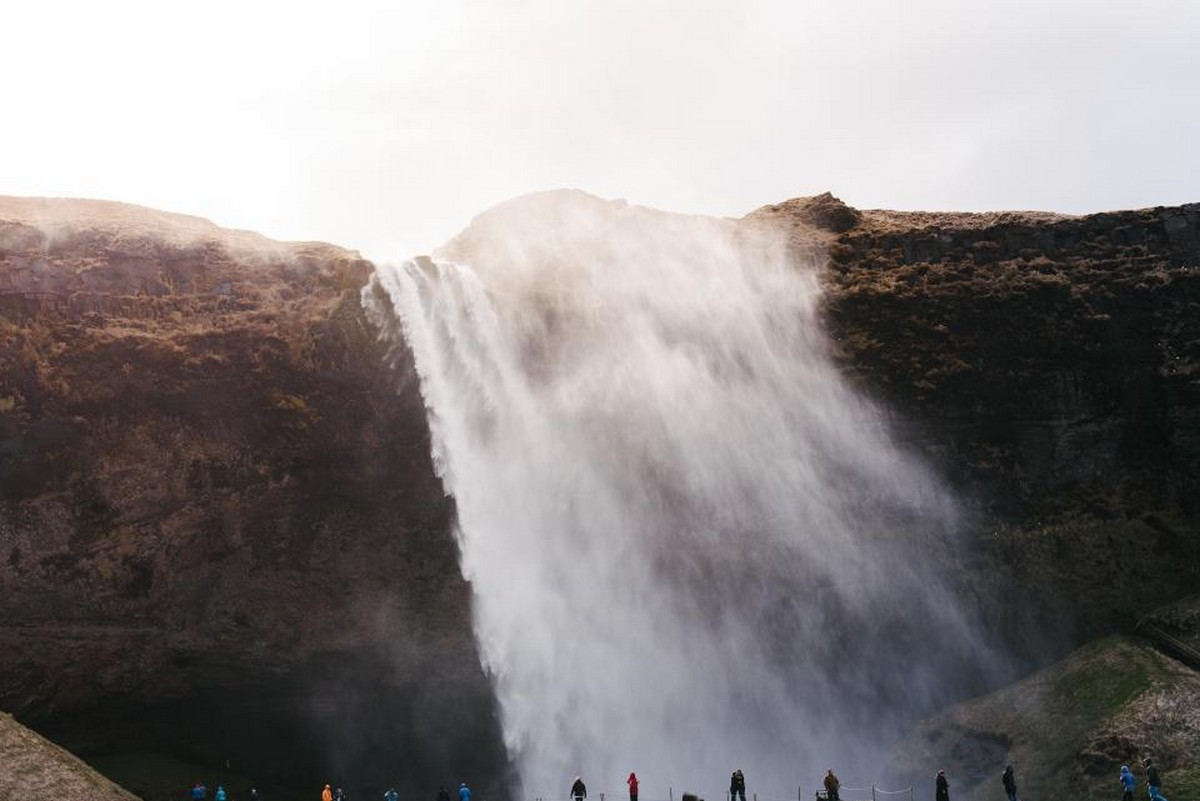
(1050, 365)
(220, 531)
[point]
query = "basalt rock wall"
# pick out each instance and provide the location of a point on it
(1050, 366)
(220, 531)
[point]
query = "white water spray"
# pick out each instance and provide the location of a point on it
(692, 547)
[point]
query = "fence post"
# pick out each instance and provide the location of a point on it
(799, 793)
(671, 793)
(872, 793)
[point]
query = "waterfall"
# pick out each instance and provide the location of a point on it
(693, 548)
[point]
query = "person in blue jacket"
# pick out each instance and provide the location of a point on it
(199, 792)
(391, 795)
(220, 795)
(1128, 782)
(464, 792)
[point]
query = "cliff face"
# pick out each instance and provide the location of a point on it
(1050, 365)
(221, 535)
(220, 530)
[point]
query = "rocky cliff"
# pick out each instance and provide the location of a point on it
(220, 532)
(221, 536)
(1050, 366)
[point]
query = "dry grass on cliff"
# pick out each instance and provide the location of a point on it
(35, 769)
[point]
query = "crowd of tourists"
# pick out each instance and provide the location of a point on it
(737, 788)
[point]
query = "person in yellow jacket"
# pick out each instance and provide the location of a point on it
(326, 794)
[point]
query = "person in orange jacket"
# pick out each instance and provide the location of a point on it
(327, 794)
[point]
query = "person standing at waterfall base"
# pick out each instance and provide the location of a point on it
(737, 786)
(943, 787)
(831, 785)
(464, 792)
(1153, 780)
(1009, 780)
(632, 782)
(578, 790)
(327, 794)
(443, 794)
(1128, 782)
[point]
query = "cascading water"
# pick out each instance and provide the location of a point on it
(692, 547)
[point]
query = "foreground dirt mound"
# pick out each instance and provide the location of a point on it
(35, 769)
(221, 535)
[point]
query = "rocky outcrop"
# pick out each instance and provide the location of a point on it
(1051, 366)
(220, 531)
(1072, 724)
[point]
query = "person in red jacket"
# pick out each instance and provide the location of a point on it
(632, 782)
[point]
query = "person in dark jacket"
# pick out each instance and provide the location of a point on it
(1153, 780)
(578, 790)
(1010, 783)
(832, 785)
(943, 787)
(391, 795)
(737, 786)
(443, 794)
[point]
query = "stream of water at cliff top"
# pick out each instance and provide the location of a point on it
(692, 547)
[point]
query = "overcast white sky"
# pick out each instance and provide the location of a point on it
(386, 126)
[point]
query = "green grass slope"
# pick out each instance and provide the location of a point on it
(1068, 728)
(35, 769)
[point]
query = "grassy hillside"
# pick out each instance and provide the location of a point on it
(1068, 728)
(35, 769)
